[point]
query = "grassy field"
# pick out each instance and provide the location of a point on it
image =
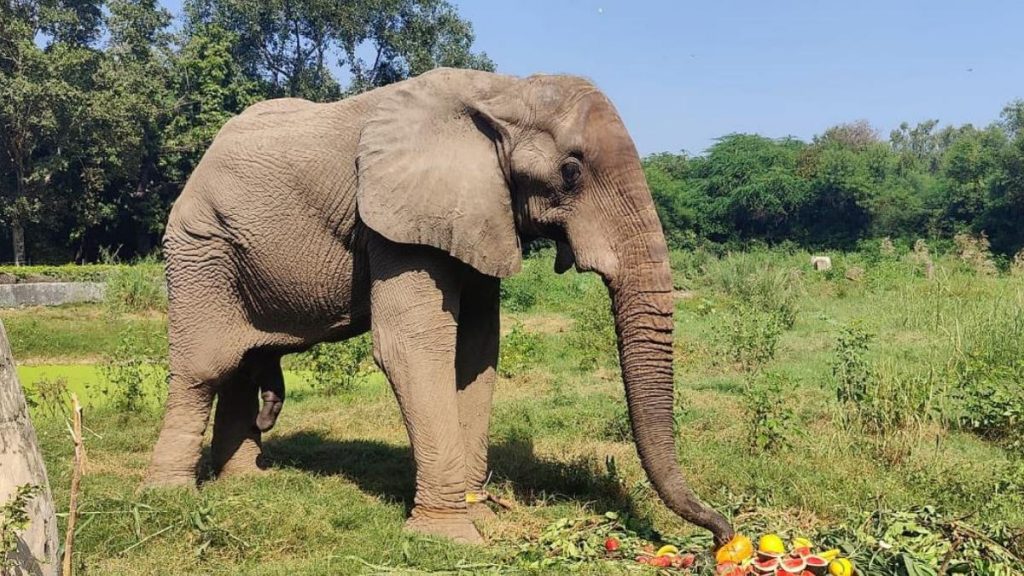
(868, 403)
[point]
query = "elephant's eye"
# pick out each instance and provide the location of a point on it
(571, 171)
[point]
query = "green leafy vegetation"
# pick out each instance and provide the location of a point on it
(14, 518)
(883, 424)
(335, 367)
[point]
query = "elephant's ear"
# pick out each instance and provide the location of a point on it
(432, 170)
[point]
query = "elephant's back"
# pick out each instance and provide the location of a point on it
(276, 190)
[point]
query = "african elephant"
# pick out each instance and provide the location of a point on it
(399, 211)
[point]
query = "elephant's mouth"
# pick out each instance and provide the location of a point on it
(564, 258)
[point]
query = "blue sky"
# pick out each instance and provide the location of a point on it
(683, 73)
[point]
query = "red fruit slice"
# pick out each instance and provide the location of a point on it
(792, 565)
(816, 565)
(765, 566)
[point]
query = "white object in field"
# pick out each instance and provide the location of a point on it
(821, 263)
(20, 464)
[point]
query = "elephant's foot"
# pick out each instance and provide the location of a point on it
(247, 459)
(456, 525)
(479, 511)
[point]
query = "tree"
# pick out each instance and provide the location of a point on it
(23, 472)
(293, 47)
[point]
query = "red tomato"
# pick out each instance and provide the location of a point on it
(611, 544)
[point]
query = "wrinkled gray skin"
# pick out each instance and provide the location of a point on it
(398, 211)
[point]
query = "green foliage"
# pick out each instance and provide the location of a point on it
(52, 395)
(517, 296)
(987, 371)
(518, 353)
(135, 374)
(769, 412)
(850, 368)
(14, 518)
(593, 333)
(335, 367)
(924, 541)
(65, 273)
(751, 335)
(136, 288)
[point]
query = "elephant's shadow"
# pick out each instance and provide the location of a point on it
(387, 470)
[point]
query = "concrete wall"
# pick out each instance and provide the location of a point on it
(50, 293)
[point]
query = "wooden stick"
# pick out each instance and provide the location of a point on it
(76, 478)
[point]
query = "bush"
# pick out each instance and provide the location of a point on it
(850, 369)
(751, 335)
(133, 373)
(519, 350)
(136, 288)
(988, 375)
(768, 415)
(335, 367)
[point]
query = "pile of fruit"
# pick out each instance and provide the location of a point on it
(738, 558)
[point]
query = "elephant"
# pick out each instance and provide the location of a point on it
(398, 211)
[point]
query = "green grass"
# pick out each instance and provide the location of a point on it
(341, 476)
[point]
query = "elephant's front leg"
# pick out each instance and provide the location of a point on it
(476, 359)
(415, 295)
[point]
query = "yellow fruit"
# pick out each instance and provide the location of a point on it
(802, 543)
(840, 567)
(830, 555)
(667, 550)
(771, 544)
(736, 550)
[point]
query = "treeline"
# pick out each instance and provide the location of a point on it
(849, 184)
(107, 105)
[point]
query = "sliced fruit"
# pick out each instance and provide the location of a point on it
(841, 567)
(792, 565)
(800, 552)
(816, 565)
(667, 550)
(765, 566)
(662, 561)
(771, 545)
(612, 544)
(685, 561)
(736, 550)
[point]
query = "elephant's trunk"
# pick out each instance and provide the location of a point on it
(642, 304)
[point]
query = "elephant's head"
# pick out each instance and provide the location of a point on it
(470, 162)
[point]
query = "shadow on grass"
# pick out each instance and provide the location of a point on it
(387, 470)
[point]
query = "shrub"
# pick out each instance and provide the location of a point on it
(768, 415)
(136, 288)
(51, 394)
(850, 369)
(133, 373)
(975, 254)
(988, 375)
(519, 351)
(335, 367)
(751, 335)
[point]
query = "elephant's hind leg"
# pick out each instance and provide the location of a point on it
(415, 308)
(190, 394)
(237, 440)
